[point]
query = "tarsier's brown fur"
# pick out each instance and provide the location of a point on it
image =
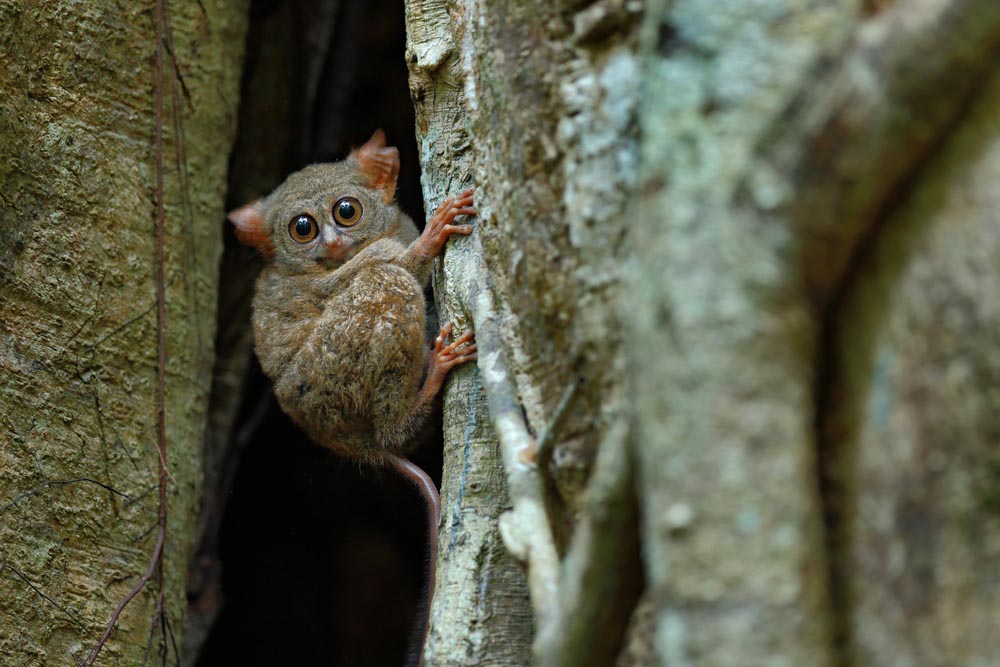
(339, 321)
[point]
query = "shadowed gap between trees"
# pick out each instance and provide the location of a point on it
(303, 558)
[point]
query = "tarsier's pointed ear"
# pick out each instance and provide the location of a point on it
(251, 228)
(379, 164)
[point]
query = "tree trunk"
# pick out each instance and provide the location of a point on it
(772, 227)
(733, 282)
(538, 113)
(79, 441)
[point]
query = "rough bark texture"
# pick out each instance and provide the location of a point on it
(78, 354)
(808, 223)
(535, 103)
(481, 613)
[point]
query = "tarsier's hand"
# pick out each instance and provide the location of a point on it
(446, 356)
(440, 226)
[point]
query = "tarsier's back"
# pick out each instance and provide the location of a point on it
(340, 371)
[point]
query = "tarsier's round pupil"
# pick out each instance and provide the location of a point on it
(303, 229)
(347, 211)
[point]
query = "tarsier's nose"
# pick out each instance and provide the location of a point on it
(336, 246)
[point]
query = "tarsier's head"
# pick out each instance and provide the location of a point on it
(324, 214)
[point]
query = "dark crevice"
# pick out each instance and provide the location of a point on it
(302, 558)
(835, 438)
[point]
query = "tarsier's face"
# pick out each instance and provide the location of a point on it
(324, 214)
(333, 242)
(320, 217)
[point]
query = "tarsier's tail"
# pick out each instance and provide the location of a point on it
(432, 502)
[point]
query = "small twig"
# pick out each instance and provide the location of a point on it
(602, 571)
(163, 631)
(141, 536)
(173, 639)
(525, 529)
(124, 325)
(157, 552)
(142, 496)
(180, 155)
(149, 639)
(546, 439)
(161, 300)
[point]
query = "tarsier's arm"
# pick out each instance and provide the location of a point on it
(418, 256)
(444, 356)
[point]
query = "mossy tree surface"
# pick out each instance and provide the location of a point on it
(78, 325)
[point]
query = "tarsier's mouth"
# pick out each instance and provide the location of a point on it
(337, 253)
(336, 256)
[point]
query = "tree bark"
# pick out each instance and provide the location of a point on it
(740, 262)
(733, 282)
(78, 353)
(764, 190)
(912, 409)
(535, 106)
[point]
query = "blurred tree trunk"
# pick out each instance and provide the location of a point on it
(78, 323)
(772, 227)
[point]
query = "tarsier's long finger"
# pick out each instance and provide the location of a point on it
(466, 352)
(449, 202)
(458, 229)
(442, 336)
(464, 358)
(463, 199)
(455, 212)
(464, 340)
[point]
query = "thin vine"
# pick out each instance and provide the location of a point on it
(156, 561)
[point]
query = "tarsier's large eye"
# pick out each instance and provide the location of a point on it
(347, 211)
(303, 228)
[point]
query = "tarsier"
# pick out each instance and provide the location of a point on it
(339, 312)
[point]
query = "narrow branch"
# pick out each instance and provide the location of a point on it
(525, 529)
(150, 570)
(602, 574)
(149, 638)
(546, 439)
